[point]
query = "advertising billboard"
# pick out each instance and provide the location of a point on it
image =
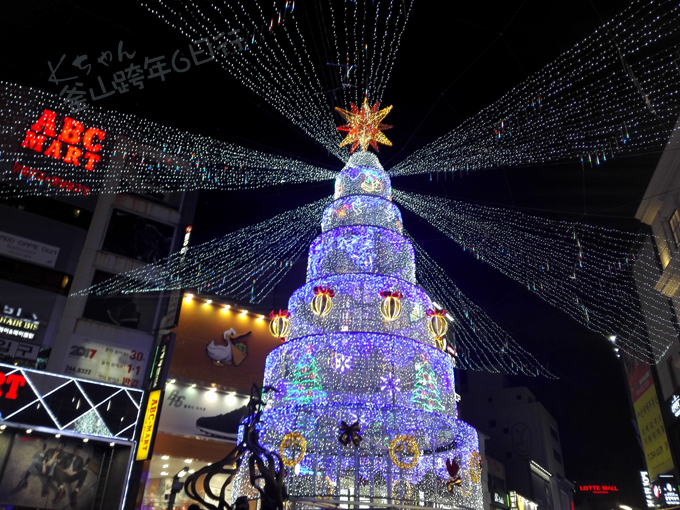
(51, 472)
(200, 412)
(648, 414)
(221, 345)
(122, 362)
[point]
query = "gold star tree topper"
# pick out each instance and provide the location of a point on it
(364, 126)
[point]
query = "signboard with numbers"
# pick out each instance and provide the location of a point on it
(111, 363)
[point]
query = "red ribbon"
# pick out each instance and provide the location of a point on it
(324, 290)
(387, 293)
(282, 313)
(440, 313)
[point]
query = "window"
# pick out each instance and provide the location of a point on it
(519, 397)
(508, 455)
(675, 227)
(671, 373)
(553, 433)
(506, 430)
(137, 238)
(43, 278)
(492, 424)
(490, 399)
(557, 456)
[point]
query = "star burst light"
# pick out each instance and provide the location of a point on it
(584, 270)
(245, 264)
(364, 126)
(136, 155)
(613, 93)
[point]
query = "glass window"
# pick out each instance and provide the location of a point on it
(557, 456)
(137, 238)
(553, 433)
(135, 311)
(675, 227)
(159, 483)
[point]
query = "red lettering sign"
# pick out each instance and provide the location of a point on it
(51, 180)
(72, 133)
(14, 381)
(598, 489)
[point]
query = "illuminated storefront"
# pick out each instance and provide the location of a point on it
(64, 441)
(518, 502)
(219, 352)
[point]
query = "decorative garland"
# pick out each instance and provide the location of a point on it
(291, 440)
(408, 445)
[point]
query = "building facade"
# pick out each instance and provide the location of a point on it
(523, 437)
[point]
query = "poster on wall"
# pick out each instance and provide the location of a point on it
(51, 473)
(114, 363)
(191, 411)
(221, 345)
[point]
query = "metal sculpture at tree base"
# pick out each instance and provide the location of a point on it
(266, 469)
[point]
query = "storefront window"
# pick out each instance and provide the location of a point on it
(159, 483)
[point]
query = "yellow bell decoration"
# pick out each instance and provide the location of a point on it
(437, 325)
(390, 308)
(322, 303)
(280, 324)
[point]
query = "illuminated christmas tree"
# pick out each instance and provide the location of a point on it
(365, 403)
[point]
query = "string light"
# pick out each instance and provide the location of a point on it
(284, 66)
(584, 270)
(615, 92)
(479, 343)
(133, 154)
(245, 264)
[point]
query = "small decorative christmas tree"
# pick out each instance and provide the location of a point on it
(426, 391)
(305, 384)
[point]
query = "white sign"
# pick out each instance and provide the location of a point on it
(114, 363)
(195, 412)
(27, 249)
(670, 491)
(675, 405)
(647, 487)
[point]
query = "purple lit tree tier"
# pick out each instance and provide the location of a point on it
(354, 365)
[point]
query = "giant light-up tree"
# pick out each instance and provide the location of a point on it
(365, 403)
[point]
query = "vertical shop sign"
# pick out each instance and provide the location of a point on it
(648, 414)
(149, 425)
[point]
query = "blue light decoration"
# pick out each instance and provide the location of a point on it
(354, 366)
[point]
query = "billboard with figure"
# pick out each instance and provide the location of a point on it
(50, 472)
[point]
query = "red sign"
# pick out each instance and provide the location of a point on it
(14, 381)
(598, 489)
(42, 137)
(51, 180)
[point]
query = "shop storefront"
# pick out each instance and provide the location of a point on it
(219, 352)
(64, 442)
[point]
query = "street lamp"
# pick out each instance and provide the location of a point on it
(177, 485)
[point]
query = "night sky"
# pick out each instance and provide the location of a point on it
(454, 60)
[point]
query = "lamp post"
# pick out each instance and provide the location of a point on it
(177, 485)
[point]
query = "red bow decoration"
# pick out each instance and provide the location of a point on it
(453, 468)
(440, 313)
(387, 293)
(324, 290)
(282, 313)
